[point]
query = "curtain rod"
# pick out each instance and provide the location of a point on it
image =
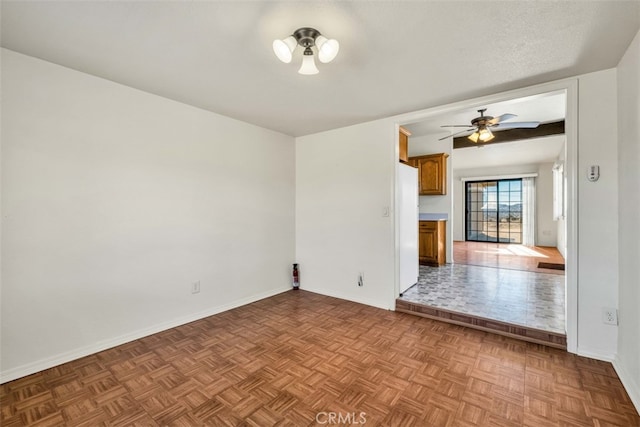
(497, 177)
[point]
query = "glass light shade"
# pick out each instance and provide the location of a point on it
(327, 49)
(474, 136)
(284, 48)
(308, 65)
(485, 135)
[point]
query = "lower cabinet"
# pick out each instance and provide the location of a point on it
(432, 243)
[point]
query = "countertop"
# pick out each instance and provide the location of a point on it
(433, 217)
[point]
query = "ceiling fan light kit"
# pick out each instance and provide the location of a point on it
(481, 126)
(483, 134)
(308, 66)
(284, 48)
(307, 38)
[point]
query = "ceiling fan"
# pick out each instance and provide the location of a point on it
(482, 126)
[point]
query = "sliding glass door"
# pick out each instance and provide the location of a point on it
(494, 211)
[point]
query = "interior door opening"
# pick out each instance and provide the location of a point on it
(520, 234)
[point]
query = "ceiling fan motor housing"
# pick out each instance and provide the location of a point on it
(483, 124)
(482, 120)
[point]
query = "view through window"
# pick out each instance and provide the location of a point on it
(494, 211)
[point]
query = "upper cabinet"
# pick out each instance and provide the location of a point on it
(432, 173)
(404, 145)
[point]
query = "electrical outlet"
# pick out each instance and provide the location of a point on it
(361, 279)
(195, 287)
(610, 316)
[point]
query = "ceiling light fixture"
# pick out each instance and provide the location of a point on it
(307, 38)
(483, 134)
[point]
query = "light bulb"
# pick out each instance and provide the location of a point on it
(308, 64)
(327, 49)
(485, 134)
(284, 48)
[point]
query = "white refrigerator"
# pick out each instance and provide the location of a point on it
(408, 226)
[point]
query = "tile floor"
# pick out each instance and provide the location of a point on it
(534, 300)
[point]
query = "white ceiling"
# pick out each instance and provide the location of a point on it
(527, 152)
(395, 56)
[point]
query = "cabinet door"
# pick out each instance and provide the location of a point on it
(432, 242)
(428, 249)
(404, 145)
(433, 174)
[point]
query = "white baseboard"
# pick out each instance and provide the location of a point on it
(595, 354)
(629, 382)
(338, 295)
(40, 365)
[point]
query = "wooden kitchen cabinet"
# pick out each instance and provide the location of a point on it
(432, 173)
(404, 145)
(432, 242)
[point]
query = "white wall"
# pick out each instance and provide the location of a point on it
(628, 358)
(419, 146)
(546, 226)
(344, 181)
(458, 209)
(116, 200)
(597, 213)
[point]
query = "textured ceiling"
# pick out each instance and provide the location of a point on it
(395, 56)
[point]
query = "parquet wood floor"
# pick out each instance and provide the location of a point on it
(299, 359)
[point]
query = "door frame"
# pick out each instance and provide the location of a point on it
(570, 87)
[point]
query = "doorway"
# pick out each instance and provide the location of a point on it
(513, 228)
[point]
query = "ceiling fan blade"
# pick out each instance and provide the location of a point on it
(501, 118)
(457, 126)
(457, 133)
(515, 125)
